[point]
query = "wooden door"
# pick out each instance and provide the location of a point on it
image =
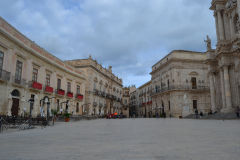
(15, 107)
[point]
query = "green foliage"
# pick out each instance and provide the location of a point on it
(67, 115)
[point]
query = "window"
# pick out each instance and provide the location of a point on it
(47, 79)
(94, 86)
(1, 60)
(78, 89)
(34, 75)
(169, 105)
(168, 83)
(58, 83)
(18, 73)
(68, 87)
(58, 105)
(194, 83)
(77, 108)
(194, 104)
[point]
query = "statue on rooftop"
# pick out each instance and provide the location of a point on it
(208, 43)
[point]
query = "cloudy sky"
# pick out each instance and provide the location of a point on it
(130, 35)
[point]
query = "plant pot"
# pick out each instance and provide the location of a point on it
(67, 119)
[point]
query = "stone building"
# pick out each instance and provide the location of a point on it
(180, 84)
(145, 100)
(31, 79)
(126, 101)
(224, 62)
(103, 88)
(133, 104)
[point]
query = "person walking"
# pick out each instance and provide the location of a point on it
(237, 112)
(196, 113)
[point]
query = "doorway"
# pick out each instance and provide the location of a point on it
(15, 102)
(194, 104)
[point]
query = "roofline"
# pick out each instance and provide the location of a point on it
(173, 51)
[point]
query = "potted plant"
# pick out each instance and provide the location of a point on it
(67, 117)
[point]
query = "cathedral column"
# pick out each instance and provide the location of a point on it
(226, 27)
(222, 89)
(220, 25)
(228, 107)
(212, 92)
(231, 27)
(216, 23)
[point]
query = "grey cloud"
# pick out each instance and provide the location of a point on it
(130, 35)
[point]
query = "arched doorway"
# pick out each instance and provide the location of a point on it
(15, 102)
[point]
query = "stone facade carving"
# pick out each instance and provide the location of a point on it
(223, 71)
(231, 4)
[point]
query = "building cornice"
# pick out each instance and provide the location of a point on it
(91, 66)
(175, 60)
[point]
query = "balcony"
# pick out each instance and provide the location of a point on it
(149, 102)
(35, 85)
(100, 105)
(180, 88)
(60, 92)
(70, 94)
(19, 81)
(79, 96)
(4, 75)
(48, 89)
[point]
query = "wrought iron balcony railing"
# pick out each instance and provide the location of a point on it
(180, 87)
(4, 75)
(19, 81)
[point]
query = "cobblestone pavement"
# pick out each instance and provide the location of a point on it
(127, 139)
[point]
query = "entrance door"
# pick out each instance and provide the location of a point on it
(15, 107)
(194, 104)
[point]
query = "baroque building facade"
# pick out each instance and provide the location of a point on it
(224, 61)
(180, 84)
(34, 82)
(104, 90)
(145, 100)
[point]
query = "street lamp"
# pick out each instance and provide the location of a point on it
(31, 101)
(46, 100)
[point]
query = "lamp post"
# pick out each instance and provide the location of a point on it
(31, 101)
(46, 100)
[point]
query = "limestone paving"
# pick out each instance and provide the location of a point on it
(126, 139)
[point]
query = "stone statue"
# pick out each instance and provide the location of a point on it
(209, 43)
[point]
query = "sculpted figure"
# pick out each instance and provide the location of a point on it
(208, 43)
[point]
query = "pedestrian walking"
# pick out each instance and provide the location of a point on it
(196, 113)
(237, 112)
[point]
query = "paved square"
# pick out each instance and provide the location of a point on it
(127, 139)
